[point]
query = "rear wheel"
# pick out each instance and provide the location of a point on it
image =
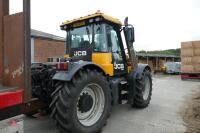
(143, 88)
(82, 105)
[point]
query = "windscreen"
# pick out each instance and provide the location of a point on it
(88, 36)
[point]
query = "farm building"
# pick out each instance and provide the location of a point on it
(44, 45)
(156, 61)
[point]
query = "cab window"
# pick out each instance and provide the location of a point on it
(100, 44)
(115, 46)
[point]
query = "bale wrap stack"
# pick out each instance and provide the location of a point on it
(190, 57)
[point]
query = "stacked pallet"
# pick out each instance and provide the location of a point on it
(190, 57)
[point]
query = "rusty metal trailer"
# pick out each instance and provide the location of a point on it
(15, 63)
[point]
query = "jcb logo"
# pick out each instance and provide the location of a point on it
(80, 53)
(119, 66)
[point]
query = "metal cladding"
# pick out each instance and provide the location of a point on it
(15, 58)
(13, 51)
(4, 10)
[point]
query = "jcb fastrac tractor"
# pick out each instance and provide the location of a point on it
(99, 71)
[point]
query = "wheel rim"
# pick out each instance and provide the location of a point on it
(90, 116)
(147, 87)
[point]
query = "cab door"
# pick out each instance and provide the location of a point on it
(118, 55)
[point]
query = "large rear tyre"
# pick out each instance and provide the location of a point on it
(143, 88)
(82, 105)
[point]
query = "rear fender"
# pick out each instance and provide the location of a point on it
(74, 68)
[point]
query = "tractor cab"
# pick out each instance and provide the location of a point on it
(97, 38)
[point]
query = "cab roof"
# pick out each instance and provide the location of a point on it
(95, 15)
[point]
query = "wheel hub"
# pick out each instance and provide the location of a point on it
(85, 103)
(90, 104)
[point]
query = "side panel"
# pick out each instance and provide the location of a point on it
(102, 59)
(14, 51)
(11, 98)
(105, 61)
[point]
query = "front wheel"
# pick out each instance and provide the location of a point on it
(143, 90)
(82, 105)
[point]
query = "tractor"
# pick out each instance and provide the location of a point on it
(99, 71)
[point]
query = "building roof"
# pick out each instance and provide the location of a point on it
(97, 14)
(44, 35)
(157, 55)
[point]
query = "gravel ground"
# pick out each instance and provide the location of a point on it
(192, 113)
(162, 116)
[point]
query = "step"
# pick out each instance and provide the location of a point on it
(123, 82)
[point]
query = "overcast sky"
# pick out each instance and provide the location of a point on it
(159, 24)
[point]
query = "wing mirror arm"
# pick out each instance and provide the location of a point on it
(129, 34)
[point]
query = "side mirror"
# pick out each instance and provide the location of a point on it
(130, 34)
(129, 31)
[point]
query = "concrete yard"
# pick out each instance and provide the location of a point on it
(162, 116)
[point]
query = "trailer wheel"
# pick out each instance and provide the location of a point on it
(82, 105)
(143, 88)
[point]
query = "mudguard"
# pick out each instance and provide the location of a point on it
(73, 68)
(141, 67)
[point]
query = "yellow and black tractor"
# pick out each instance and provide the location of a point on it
(99, 71)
